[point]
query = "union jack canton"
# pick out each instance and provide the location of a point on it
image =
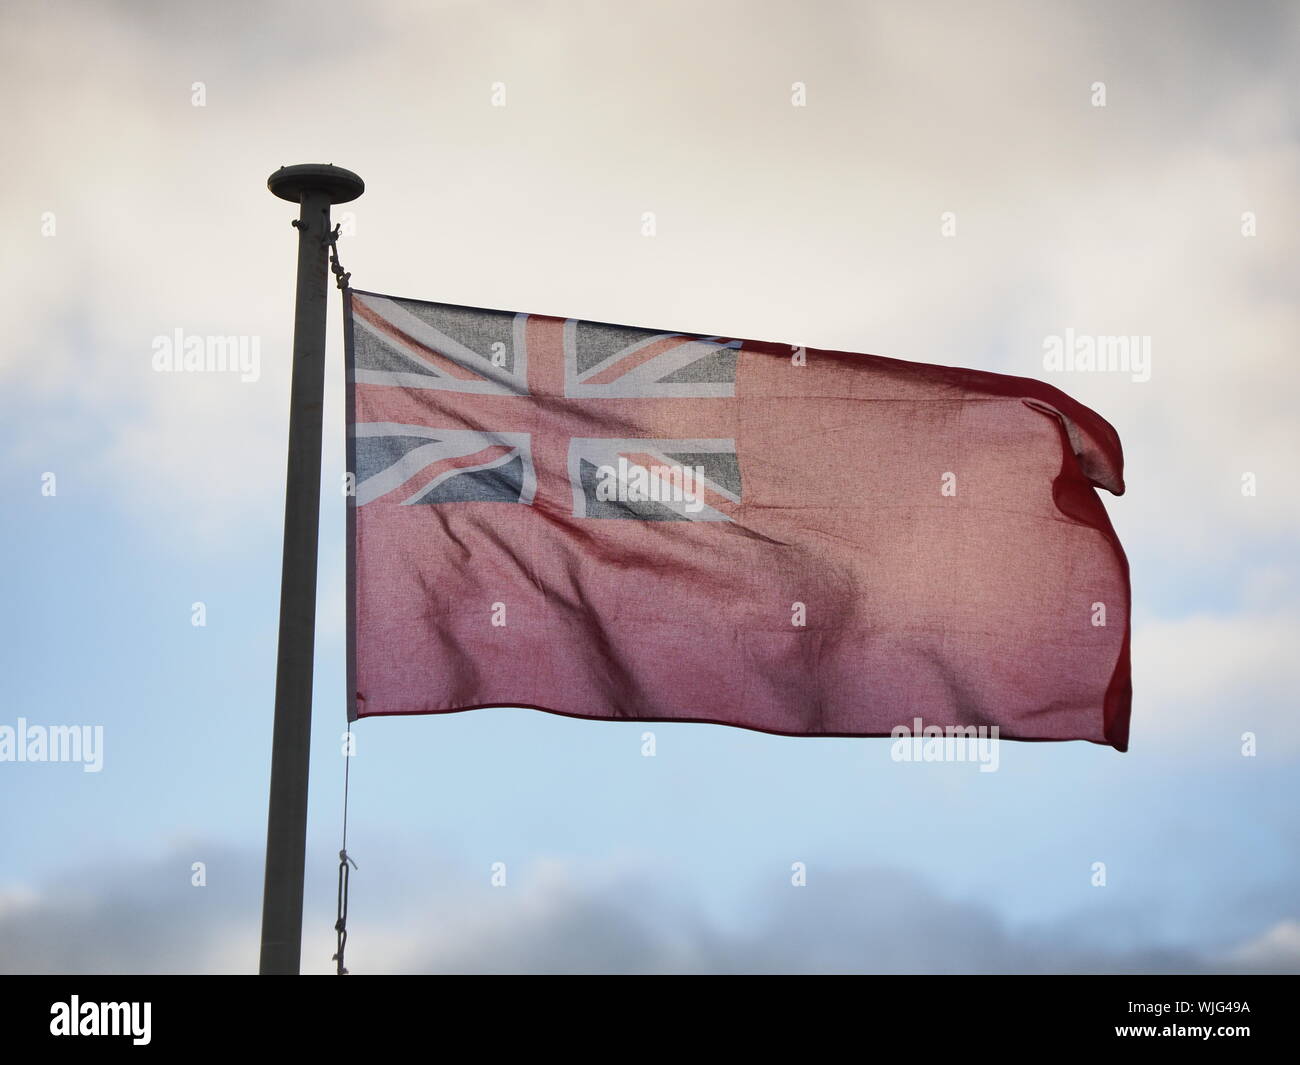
(540, 411)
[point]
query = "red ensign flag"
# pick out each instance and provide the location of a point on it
(632, 524)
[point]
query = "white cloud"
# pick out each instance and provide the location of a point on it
(1202, 681)
(1275, 950)
(817, 225)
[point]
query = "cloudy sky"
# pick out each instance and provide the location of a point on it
(138, 141)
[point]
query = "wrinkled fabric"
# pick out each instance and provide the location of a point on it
(872, 541)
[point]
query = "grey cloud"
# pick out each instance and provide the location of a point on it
(848, 921)
(131, 919)
(150, 919)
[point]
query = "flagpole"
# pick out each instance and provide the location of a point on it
(314, 187)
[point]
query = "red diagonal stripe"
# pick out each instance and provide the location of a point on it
(428, 474)
(710, 497)
(637, 358)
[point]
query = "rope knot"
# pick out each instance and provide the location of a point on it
(341, 276)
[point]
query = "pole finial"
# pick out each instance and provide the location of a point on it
(290, 182)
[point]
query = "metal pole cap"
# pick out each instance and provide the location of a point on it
(290, 182)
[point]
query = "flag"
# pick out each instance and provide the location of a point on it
(637, 524)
